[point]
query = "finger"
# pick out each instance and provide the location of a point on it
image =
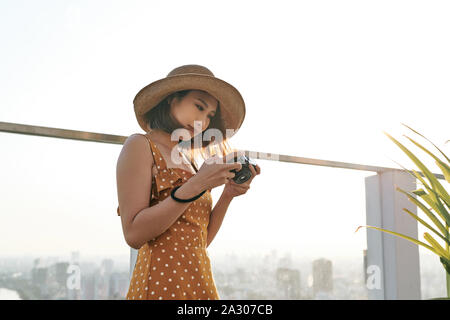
(235, 165)
(244, 185)
(240, 188)
(258, 169)
(244, 188)
(253, 171)
(230, 175)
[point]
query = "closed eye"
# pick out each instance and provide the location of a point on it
(201, 109)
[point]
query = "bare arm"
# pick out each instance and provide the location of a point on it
(141, 223)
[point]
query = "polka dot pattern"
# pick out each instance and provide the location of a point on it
(175, 265)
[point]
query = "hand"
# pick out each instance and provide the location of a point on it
(232, 189)
(214, 172)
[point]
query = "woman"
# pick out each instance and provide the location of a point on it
(164, 199)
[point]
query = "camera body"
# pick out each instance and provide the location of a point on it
(245, 173)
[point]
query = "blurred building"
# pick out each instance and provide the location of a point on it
(39, 276)
(288, 282)
(89, 287)
(58, 272)
(56, 281)
(107, 267)
(322, 278)
(118, 286)
(103, 279)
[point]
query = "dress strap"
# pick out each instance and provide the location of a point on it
(166, 178)
(157, 157)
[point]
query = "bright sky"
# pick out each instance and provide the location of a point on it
(321, 79)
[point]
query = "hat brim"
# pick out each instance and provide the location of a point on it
(231, 101)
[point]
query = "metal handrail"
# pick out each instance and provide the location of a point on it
(116, 139)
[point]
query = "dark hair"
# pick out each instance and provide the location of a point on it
(160, 117)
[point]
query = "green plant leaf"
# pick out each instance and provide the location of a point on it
(441, 251)
(446, 263)
(427, 225)
(437, 206)
(419, 177)
(445, 170)
(419, 192)
(428, 174)
(448, 160)
(429, 214)
(442, 165)
(416, 175)
(404, 237)
(443, 212)
(436, 196)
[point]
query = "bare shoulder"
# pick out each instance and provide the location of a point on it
(135, 137)
(135, 154)
(133, 174)
(135, 145)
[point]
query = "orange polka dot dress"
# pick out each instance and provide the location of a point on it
(175, 265)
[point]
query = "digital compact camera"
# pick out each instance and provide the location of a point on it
(245, 173)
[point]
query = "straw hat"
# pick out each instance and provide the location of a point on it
(195, 77)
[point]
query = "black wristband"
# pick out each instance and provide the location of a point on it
(172, 194)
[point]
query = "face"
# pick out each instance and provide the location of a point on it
(196, 106)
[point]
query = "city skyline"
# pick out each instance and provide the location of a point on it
(246, 274)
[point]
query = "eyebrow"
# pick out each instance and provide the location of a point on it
(205, 104)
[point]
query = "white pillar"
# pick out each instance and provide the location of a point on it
(396, 259)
